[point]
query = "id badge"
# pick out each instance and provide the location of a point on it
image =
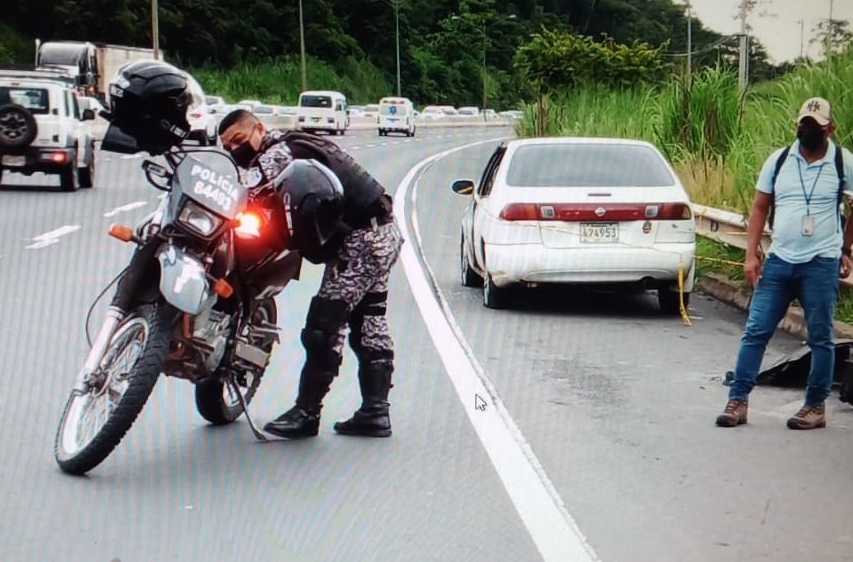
(808, 225)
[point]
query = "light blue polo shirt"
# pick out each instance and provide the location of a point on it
(819, 185)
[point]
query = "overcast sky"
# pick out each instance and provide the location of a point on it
(779, 29)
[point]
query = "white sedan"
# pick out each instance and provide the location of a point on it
(577, 210)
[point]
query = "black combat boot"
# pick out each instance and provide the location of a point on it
(372, 419)
(303, 420)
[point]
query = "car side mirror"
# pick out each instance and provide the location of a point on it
(463, 187)
(88, 115)
(211, 110)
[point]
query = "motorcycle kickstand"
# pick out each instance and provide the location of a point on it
(235, 389)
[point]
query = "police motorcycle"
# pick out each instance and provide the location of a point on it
(196, 301)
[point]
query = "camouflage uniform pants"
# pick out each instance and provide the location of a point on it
(358, 276)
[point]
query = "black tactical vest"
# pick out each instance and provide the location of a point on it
(362, 193)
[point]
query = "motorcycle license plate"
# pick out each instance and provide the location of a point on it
(14, 161)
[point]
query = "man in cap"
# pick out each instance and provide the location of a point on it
(810, 249)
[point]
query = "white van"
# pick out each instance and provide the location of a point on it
(321, 110)
(396, 115)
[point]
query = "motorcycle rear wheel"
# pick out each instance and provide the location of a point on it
(213, 398)
(119, 396)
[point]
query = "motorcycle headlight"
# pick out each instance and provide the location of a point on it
(199, 219)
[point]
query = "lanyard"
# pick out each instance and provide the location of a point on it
(808, 197)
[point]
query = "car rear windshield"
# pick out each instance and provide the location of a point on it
(34, 99)
(588, 165)
(316, 101)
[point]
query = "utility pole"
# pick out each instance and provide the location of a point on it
(689, 43)
(155, 29)
(485, 48)
(829, 29)
(302, 48)
(802, 23)
(397, 23)
(743, 66)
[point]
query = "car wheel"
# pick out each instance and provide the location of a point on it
(468, 276)
(18, 127)
(493, 296)
(668, 302)
(68, 178)
(86, 176)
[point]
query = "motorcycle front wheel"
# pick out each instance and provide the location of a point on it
(97, 417)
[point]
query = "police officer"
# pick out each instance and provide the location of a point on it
(341, 216)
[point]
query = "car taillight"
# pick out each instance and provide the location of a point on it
(195, 114)
(573, 212)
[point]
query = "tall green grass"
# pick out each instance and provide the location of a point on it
(717, 138)
(280, 81)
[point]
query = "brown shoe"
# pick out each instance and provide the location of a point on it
(734, 414)
(809, 417)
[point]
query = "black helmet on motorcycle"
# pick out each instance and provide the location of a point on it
(148, 105)
(313, 200)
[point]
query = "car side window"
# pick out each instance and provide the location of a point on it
(488, 178)
(75, 107)
(64, 109)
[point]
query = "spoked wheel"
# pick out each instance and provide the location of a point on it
(102, 408)
(215, 400)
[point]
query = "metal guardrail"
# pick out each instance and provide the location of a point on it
(730, 228)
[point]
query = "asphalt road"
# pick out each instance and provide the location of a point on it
(615, 402)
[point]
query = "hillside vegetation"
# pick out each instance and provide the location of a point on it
(251, 47)
(717, 138)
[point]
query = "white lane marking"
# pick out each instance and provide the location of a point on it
(552, 528)
(52, 237)
(123, 208)
(354, 147)
(131, 156)
(369, 145)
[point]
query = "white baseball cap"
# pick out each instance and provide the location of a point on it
(818, 109)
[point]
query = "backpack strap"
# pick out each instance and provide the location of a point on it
(842, 182)
(779, 162)
(839, 169)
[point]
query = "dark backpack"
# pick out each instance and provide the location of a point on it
(839, 169)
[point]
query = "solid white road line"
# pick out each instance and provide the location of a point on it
(540, 507)
(52, 237)
(123, 208)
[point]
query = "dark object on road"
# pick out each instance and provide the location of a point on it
(792, 371)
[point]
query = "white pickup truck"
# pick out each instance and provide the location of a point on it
(42, 128)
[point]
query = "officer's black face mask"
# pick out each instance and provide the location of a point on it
(243, 154)
(811, 135)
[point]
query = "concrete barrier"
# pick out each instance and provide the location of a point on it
(370, 123)
(286, 122)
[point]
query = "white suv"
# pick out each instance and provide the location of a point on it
(42, 128)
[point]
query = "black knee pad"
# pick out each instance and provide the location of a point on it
(325, 317)
(373, 304)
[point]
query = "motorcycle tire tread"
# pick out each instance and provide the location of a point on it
(146, 373)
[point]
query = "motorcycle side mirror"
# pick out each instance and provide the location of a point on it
(157, 175)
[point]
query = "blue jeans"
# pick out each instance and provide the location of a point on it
(815, 285)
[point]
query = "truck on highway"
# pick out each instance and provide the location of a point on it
(92, 65)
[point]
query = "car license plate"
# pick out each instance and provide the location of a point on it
(599, 233)
(14, 161)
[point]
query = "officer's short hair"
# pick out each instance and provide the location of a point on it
(237, 116)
